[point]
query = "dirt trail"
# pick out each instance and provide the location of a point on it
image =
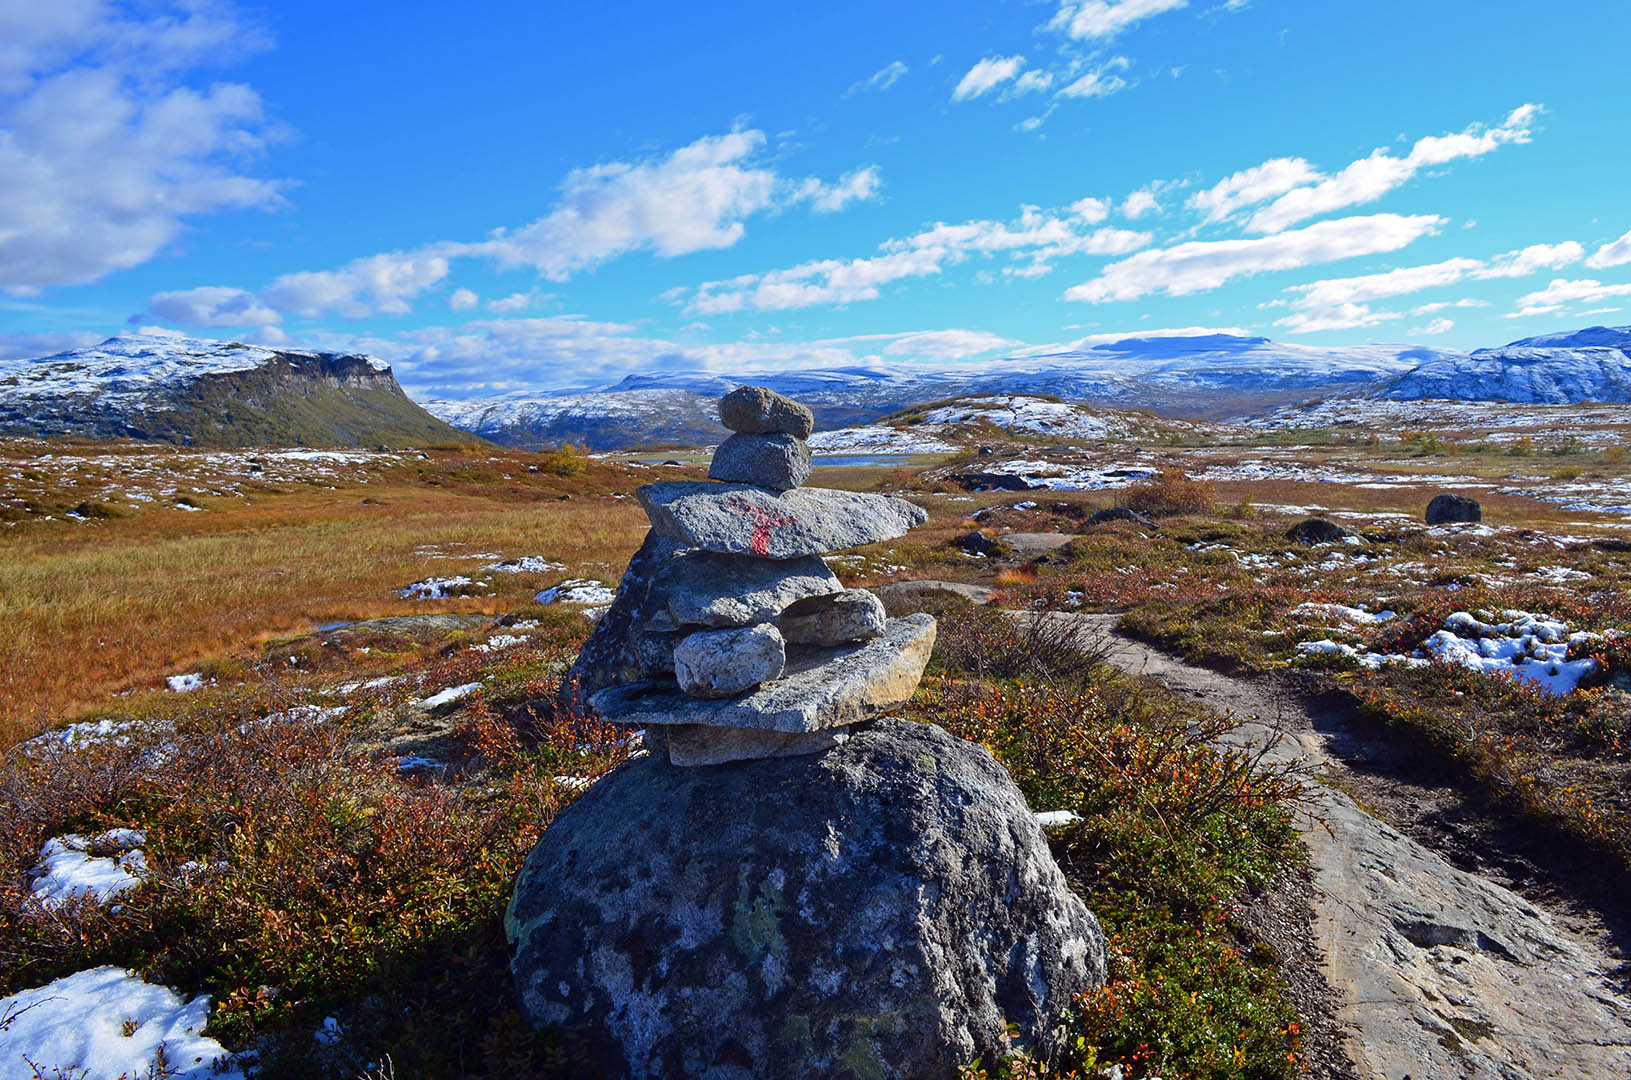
(1446, 974)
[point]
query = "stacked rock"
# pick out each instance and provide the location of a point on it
(729, 633)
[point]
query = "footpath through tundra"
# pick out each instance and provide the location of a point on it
(1444, 973)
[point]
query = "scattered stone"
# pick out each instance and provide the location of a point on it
(712, 589)
(820, 688)
(755, 410)
(1317, 530)
(743, 520)
(984, 481)
(1122, 513)
(976, 542)
(779, 462)
(772, 917)
(909, 592)
(1446, 509)
(723, 663)
(1037, 543)
(852, 615)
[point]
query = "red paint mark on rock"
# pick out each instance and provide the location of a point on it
(764, 519)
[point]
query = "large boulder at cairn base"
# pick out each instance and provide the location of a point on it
(882, 909)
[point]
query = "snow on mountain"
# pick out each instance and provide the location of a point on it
(601, 420)
(171, 388)
(1593, 364)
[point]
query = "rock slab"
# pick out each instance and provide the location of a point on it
(820, 688)
(779, 462)
(710, 589)
(756, 410)
(852, 615)
(880, 910)
(739, 519)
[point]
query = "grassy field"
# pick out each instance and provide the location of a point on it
(326, 840)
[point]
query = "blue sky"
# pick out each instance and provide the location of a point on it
(510, 196)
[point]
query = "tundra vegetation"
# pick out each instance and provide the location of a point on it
(332, 818)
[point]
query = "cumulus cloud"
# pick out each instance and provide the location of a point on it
(17, 346)
(1033, 81)
(515, 303)
(1099, 82)
(987, 75)
(1139, 203)
(1535, 257)
(463, 300)
(1251, 186)
(375, 285)
(1107, 18)
(106, 144)
(212, 305)
(858, 185)
(1035, 237)
(1562, 292)
(1616, 253)
(1207, 264)
(1369, 178)
(1091, 210)
(1438, 326)
(882, 79)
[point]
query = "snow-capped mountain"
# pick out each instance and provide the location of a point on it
(1553, 369)
(1212, 376)
(168, 388)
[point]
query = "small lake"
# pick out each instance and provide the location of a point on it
(857, 461)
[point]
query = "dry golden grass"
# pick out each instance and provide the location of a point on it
(86, 610)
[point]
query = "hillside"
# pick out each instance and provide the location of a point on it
(163, 388)
(1593, 364)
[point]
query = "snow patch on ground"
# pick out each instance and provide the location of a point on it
(450, 695)
(67, 869)
(585, 591)
(1532, 648)
(183, 684)
(440, 588)
(1352, 616)
(107, 1023)
(878, 439)
(526, 564)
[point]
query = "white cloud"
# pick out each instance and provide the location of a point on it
(1334, 317)
(1369, 178)
(463, 300)
(858, 185)
(947, 345)
(1336, 291)
(1035, 236)
(1033, 81)
(1097, 83)
(1091, 210)
(17, 346)
(1438, 326)
(212, 305)
(1207, 264)
(1107, 18)
(1139, 203)
(987, 75)
(274, 336)
(1562, 292)
(1446, 305)
(515, 303)
(375, 285)
(1251, 186)
(105, 146)
(1534, 257)
(1616, 253)
(885, 77)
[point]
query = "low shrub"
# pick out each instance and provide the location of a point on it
(1170, 491)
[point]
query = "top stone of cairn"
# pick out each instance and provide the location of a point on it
(754, 410)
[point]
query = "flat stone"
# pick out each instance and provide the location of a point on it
(699, 744)
(723, 663)
(820, 688)
(852, 615)
(744, 520)
(756, 410)
(610, 655)
(711, 589)
(778, 461)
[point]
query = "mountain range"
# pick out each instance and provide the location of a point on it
(186, 390)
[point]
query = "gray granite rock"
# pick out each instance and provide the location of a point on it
(610, 655)
(1447, 509)
(1122, 513)
(778, 462)
(881, 910)
(698, 744)
(744, 520)
(820, 688)
(724, 663)
(755, 410)
(1317, 530)
(711, 589)
(852, 615)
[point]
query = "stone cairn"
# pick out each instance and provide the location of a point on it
(777, 888)
(730, 638)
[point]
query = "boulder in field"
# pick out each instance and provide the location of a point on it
(1449, 508)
